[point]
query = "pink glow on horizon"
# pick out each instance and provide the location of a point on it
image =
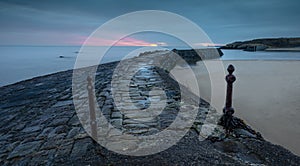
(128, 41)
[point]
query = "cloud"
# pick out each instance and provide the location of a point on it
(33, 21)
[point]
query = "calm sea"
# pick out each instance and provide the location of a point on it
(24, 62)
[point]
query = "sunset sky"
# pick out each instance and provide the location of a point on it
(58, 22)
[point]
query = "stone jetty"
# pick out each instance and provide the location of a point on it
(191, 56)
(39, 124)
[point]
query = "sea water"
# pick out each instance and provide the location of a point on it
(23, 62)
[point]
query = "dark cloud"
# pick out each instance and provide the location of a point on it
(224, 21)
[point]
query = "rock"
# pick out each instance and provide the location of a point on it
(141, 131)
(229, 146)
(63, 103)
(45, 133)
(4, 137)
(117, 123)
(32, 129)
(53, 142)
(73, 132)
(106, 110)
(58, 130)
(122, 145)
(25, 149)
(59, 121)
(19, 127)
(206, 130)
(243, 133)
(136, 126)
(80, 147)
(65, 148)
(117, 115)
(74, 121)
(130, 121)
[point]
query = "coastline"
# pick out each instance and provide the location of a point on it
(265, 43)
(55, 136)
(283, 49)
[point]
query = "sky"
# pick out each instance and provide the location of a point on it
(61, 22)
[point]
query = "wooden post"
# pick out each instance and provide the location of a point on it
(93, 121)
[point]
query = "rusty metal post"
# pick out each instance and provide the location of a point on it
(227, 120)
(230, 78)
(91, 95)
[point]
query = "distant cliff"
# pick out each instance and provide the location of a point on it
(266, 43)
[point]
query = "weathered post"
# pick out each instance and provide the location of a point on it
(230, 78)
(93, 122)
(227, 120)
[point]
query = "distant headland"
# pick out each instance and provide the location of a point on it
(266, 44)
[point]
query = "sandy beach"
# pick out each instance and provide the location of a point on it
(266, 96)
